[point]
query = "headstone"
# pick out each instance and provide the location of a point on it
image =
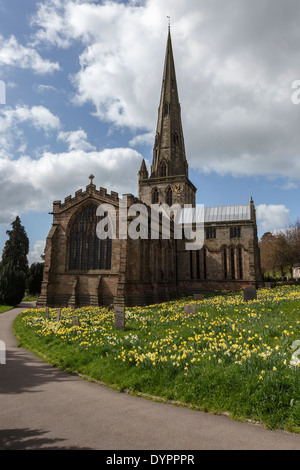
(58, 314)
(119, 317)
(2, 353)
(250, 294)
(189, 310)
(198, 296)
(268, 285)
(75, 321)
(47, 313)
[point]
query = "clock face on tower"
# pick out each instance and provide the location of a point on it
(178, 188)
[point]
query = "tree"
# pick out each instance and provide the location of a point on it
(35, 277)
(16, 247)
(280, 251)
(14, 265)
(283, 255)
(12, 285)
(267, 254)
(293, 236)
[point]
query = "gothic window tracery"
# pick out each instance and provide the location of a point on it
(86, 250)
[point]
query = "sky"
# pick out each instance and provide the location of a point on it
(80, 83)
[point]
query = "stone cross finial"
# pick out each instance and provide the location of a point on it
(91, 177)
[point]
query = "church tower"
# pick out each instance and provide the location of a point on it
(168, 182)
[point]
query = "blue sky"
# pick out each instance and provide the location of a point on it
(83, 83)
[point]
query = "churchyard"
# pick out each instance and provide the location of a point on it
(218, 352)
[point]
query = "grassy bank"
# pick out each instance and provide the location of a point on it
(232, 356)
(4, 308)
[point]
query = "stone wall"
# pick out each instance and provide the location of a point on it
(187, 196)
(142, 271)
(223, 262)
(62, 287)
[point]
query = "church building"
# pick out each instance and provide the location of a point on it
(83, 269)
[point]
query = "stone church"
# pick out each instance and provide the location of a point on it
(83, 269)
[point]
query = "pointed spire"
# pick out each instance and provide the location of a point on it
(252, 210)
(169, 149)
(143, 173)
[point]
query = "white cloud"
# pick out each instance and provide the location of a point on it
(27, 184)
(234, 73)
(34, 256)
(143, 139)
(14, 54)
(76, 140)
(289, 186)
(41, 88)
(37, 116)
(51, 23)
(272, 217)
(12, 133)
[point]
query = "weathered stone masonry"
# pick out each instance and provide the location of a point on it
(80, 269)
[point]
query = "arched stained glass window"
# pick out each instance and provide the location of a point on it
(86, 250)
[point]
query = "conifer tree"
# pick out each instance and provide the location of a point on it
(12, 285)
(16, 248)
(35, 277)
(14, 265)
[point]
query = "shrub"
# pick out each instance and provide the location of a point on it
(35, 277)
(12, 285)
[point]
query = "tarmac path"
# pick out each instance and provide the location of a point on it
(44, 408)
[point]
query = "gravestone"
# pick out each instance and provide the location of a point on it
(47, 313)
(2, 353)
(189, 310)
(198, 296)
(75, 321)
(250, 294)
(119, 317)
(58, 314)
(268, 285)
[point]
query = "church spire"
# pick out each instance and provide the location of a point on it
(168, 182)
(169, 157)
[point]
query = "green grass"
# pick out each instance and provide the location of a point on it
(4, 308)
(29, 298)
(232, 356)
